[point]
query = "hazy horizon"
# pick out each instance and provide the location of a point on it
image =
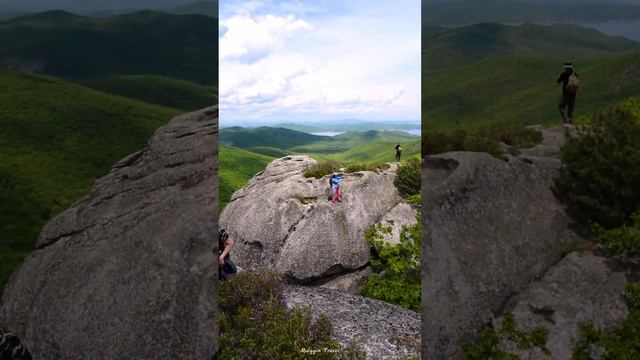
(324, 60)
(317, 122)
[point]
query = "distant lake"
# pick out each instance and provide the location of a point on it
(327, 133)
(416, 132)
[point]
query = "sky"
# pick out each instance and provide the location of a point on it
(316, 60)
(554, 1)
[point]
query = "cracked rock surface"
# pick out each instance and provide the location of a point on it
(490, 228)
(284, 221)
(129, 270)
(385, 331)
(580, 289)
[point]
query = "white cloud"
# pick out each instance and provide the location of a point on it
(246, 36)
(363, 64)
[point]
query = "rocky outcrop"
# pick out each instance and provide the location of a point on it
(580, 289)
(282, 220)
(385, 331)
(553, 139)
(491, 227)
(400, 216)
(129, 271)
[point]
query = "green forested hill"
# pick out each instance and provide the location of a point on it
(70, 46)
(464, 12)
(158, 90)
(57, 138)
(208, 8)
(352, 139)
(523, 90)
(236, 167)
(301, 142)
(378, 151)
(491, 74)
(447, 49)
(280, 138)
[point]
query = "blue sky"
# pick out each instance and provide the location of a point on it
(315, 60)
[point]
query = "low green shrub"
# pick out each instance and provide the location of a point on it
(439, 142)
(517, 136)
(398, 280)
(330, 166)
(623, 241)
(321, 169)
(256, 323)
(601, 168)
(367, 167)
(479, 140)
(408, 177)
(619, 342)
(416, 200)
(490, 345)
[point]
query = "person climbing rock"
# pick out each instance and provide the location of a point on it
(331, 186)
(570, 84)
(227, 268)
(398, 152)
(336, 193)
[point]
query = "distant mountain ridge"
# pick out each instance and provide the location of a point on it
(466, 12)
(245, 151)
(71, 46)
(298, 141)
(266, 136)
(491, 74)
(448, 48)
(157, 90)
(57, 138)
(347, 126)
(88, 6)
(207, 8)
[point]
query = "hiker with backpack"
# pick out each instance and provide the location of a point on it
(570, 83)
(336, 193)
(227, 268)
(398, 152)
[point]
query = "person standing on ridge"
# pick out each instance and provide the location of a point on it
(398, 152)
(570, 84)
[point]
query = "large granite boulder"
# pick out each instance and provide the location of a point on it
(284, 221)
(490, 228)
(129, 271)
(385, 331)
(580, 289)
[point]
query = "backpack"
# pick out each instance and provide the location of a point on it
(573, 83)
(228, 270)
